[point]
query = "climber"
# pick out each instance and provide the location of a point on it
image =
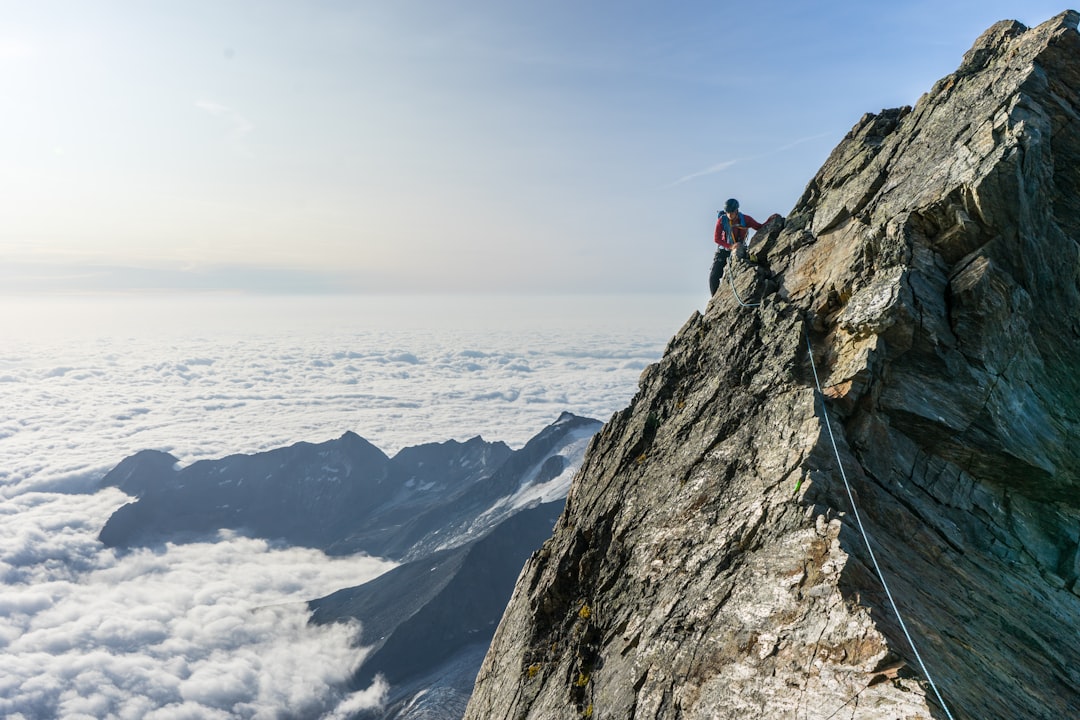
(730, 233)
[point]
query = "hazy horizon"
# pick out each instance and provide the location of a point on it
(106, 376)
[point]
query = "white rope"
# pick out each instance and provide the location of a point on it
(729, 230)
(866, 539)
(731, 278)
(851, 498)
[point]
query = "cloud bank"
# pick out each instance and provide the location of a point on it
(75, 405)
(219, 630)
(205, 630)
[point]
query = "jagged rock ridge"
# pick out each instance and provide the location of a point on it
(933, 265)
(344, 495)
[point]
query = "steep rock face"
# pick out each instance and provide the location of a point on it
(708, 563)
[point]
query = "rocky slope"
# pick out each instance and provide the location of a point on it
(708, 563)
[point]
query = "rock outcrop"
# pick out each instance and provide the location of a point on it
(708, 563)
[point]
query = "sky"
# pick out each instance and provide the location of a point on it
(425, 146)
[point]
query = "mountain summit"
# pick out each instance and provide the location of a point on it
(711, 562)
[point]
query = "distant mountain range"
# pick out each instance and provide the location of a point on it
(462, 518)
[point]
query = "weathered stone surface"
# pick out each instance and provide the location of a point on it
(708, 563)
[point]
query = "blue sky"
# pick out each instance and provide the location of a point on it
(564, 147)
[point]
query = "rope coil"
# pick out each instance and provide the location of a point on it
(731, 279)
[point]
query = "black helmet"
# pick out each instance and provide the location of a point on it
(731, 205)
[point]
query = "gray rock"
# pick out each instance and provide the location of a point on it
(709, 564)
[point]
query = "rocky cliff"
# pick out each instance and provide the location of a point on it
(709, 564)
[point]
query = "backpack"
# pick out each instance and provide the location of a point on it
(727, 225)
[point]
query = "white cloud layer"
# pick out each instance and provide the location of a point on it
(202, 630)
(220, 630)
(81, 392)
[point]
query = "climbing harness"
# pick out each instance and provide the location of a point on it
(866, 539)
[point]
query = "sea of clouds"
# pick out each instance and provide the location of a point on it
(220, 629)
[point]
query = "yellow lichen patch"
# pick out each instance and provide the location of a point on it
(585, 612)
(533, 670)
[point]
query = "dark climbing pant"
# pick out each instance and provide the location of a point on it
(718, 262)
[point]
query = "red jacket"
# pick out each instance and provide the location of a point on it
(739, 230)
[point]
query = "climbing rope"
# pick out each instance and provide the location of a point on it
(866, 539)
(731, 279)
(855, 509)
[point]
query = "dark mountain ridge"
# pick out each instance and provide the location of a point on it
(439, 611)
(342, 496)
